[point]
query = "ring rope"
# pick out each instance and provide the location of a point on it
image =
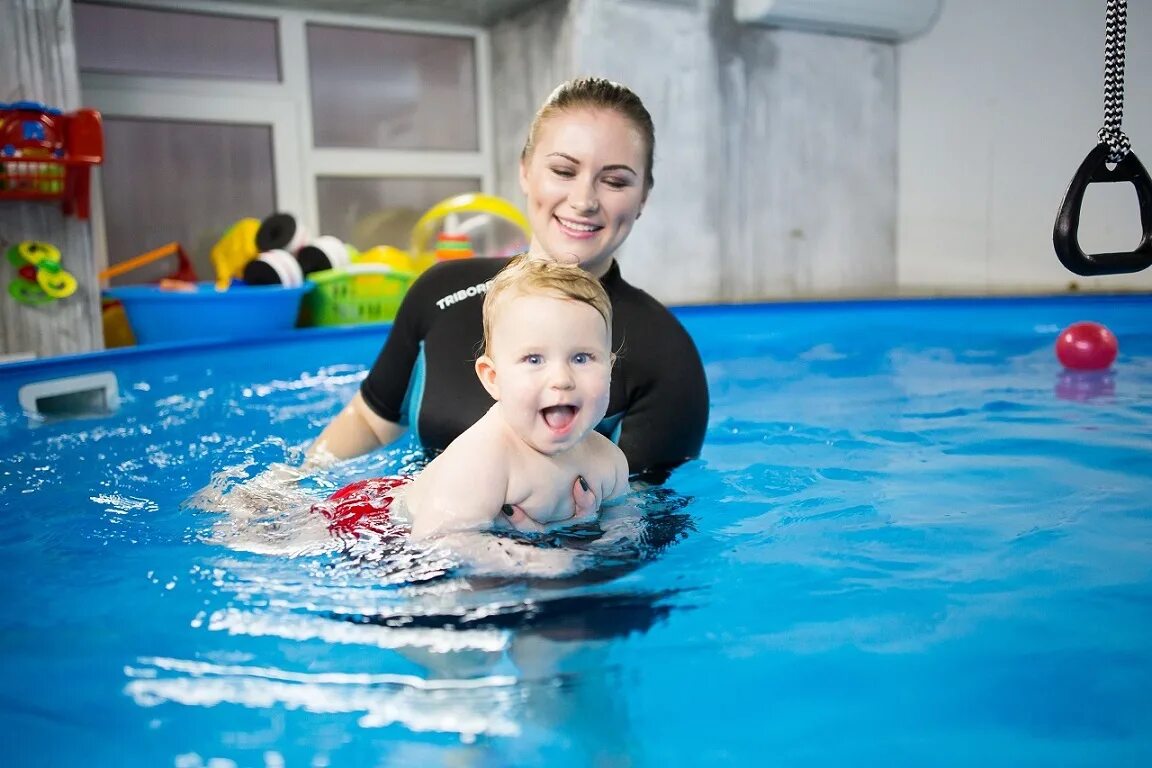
(1115, 28)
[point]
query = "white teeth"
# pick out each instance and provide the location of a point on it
(578, 227)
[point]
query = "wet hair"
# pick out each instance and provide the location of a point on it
(528, 276)
(597, 93)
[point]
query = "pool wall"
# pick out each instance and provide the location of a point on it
(359, 345)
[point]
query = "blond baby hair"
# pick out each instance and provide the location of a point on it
(528, 276)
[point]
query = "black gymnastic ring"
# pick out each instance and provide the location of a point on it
(1093, 170)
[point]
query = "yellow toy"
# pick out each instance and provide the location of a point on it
(399, 260)
(465, 215)
(234, 250)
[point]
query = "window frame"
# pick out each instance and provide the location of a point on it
(287, 107)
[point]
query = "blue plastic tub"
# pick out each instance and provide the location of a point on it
(242, 311)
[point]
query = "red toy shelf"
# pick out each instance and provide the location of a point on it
(46, 154)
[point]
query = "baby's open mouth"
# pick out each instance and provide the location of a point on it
(559, 416)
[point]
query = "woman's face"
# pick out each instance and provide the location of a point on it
(585, 186)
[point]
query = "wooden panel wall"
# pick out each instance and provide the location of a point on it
(38, 63)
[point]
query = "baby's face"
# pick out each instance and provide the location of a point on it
(553, 369)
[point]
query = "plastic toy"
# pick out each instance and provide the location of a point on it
(388, 255)
(493, 227)
(287, 255)
(282, 267)
(1086, 346)
(451, 246)
(40, 278)
(281, 231)
(234, 250)
(184, 271)
(46, 154)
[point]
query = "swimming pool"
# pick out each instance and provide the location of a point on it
(910, 540)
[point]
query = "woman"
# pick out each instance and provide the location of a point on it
(586, 171)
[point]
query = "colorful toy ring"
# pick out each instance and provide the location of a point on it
(51, 281)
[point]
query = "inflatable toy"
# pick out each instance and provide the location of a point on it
(489, 225)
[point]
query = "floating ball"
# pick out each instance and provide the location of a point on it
(1086, 346)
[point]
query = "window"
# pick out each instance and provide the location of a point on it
(353, 125)
(142, 41)
(369, 212)
(180, 181)
(392, 90)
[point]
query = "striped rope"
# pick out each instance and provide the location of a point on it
(1115, 27)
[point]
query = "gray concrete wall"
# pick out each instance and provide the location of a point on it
(775, 154)
(999, 104)
(38, 63)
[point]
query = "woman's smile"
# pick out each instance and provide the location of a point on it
(585, 187)
(577, 229)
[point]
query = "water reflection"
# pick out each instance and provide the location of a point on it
(1084, 386)
(510, 662)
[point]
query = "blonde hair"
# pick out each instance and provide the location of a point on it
(528, 276)
(597, 93)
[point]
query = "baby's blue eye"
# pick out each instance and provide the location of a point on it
(581, 358)
(534, 359)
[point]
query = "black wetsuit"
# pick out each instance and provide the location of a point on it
(424, 377)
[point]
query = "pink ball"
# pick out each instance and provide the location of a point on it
(1086, 347)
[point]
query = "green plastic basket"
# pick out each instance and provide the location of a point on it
(358, 293)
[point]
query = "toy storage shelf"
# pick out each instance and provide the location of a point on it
(48, 155)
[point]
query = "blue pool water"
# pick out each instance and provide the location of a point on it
(910, 540)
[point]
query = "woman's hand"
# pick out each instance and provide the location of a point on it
(585, 503)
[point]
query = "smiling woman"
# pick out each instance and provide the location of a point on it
(586, 171)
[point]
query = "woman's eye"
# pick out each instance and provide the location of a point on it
(566, 173)
(616, 183)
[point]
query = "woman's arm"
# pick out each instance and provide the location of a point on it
(366, 424)
(356, 430)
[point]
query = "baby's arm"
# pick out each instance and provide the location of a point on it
(461, 489)
(611, 479)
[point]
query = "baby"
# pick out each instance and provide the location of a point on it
(547, 363)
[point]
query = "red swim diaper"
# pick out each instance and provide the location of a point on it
(361, 506)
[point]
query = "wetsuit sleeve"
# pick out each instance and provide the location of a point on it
(387, 382)
(665, 425)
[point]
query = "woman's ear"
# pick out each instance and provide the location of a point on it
(486, 372)
(524, 176)
(643, 202)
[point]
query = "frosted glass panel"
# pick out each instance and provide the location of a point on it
(142, 41)
(392, 90)
(370, 212)
(184, 182)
